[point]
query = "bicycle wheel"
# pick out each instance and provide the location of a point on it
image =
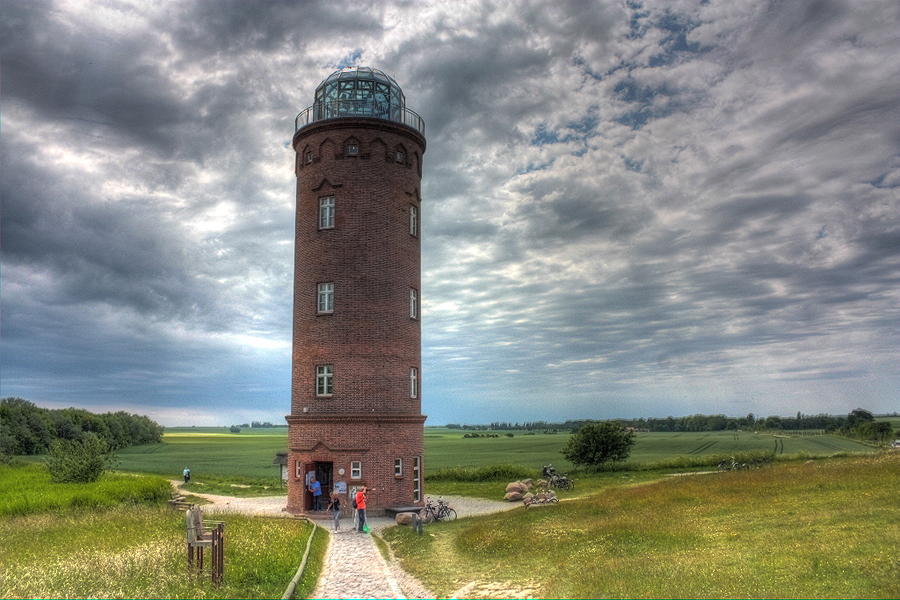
(450, 515)
(427, 516)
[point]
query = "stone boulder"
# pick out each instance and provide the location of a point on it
(516, 486)
(404, 518)
(513, 496)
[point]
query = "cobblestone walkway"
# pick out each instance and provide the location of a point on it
(354, 568)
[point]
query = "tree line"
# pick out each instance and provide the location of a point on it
(29, 429)
(859, 424)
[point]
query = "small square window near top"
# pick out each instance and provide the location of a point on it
(400, 157)
(309, 157)
(352, 149)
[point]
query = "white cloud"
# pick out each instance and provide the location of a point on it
(667, 209)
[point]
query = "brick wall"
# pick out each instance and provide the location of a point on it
(370, 339)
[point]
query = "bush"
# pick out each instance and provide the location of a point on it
(78, 461)
(598, 443)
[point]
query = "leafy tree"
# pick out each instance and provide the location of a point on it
(78, 461)
(596, 443)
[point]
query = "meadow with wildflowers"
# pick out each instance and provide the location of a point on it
(98, 541)
(811, 529)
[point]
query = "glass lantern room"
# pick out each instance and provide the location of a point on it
(360, 92)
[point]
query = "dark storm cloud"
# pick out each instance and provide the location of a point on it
(627, 210)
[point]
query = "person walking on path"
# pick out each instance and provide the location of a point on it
(187, 474)
(316, 488)
(361, 496)
(335, 508)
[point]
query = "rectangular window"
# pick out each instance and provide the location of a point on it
(299, 469)
(325, 303)
(326, 212)
(414, 221)
(324, 380)
(355, 470)
(417, 479)
(352, 149)
(398, 467)
(400, 156)
(413, 383)
(309, 157)
(413, 303)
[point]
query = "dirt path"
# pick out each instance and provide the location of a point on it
(354, 568)
(272, 506)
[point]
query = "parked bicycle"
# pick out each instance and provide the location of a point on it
(753, 463)
(562, 482)
(734, 465)
(440, 511)
(548, 497)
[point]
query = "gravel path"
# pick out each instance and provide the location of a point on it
(354, 568)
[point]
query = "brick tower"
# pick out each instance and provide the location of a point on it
(356, 412)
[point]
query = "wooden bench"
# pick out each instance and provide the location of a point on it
(205, 534)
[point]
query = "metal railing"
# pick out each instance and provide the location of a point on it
(359, 108)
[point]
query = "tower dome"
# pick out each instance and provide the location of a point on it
(360, 92)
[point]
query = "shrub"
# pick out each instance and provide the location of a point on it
(500, 472)
(78, 461)
(598, 443)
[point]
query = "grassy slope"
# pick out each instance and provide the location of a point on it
(116, 538)
(825, 529)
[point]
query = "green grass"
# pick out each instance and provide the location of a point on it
(27, 489)
(213, 452)
(447, 448)
(116, 538)
(241, 464)
(243, 459)
(823, 529)
(139, 552)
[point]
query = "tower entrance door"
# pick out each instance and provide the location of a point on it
(324, 474)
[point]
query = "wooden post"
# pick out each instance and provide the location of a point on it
(218, 553)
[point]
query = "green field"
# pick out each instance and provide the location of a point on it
(248, 456)
(446, 448)
(245, 456)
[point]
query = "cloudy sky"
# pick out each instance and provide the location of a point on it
(629, 208)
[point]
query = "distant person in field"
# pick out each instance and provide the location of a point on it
(187, 474)
(316, 488)
(335, 507)
(361, 496)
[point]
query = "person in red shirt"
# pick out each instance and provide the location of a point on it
(361, 496)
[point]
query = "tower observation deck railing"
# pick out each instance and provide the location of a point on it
(359, 108)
